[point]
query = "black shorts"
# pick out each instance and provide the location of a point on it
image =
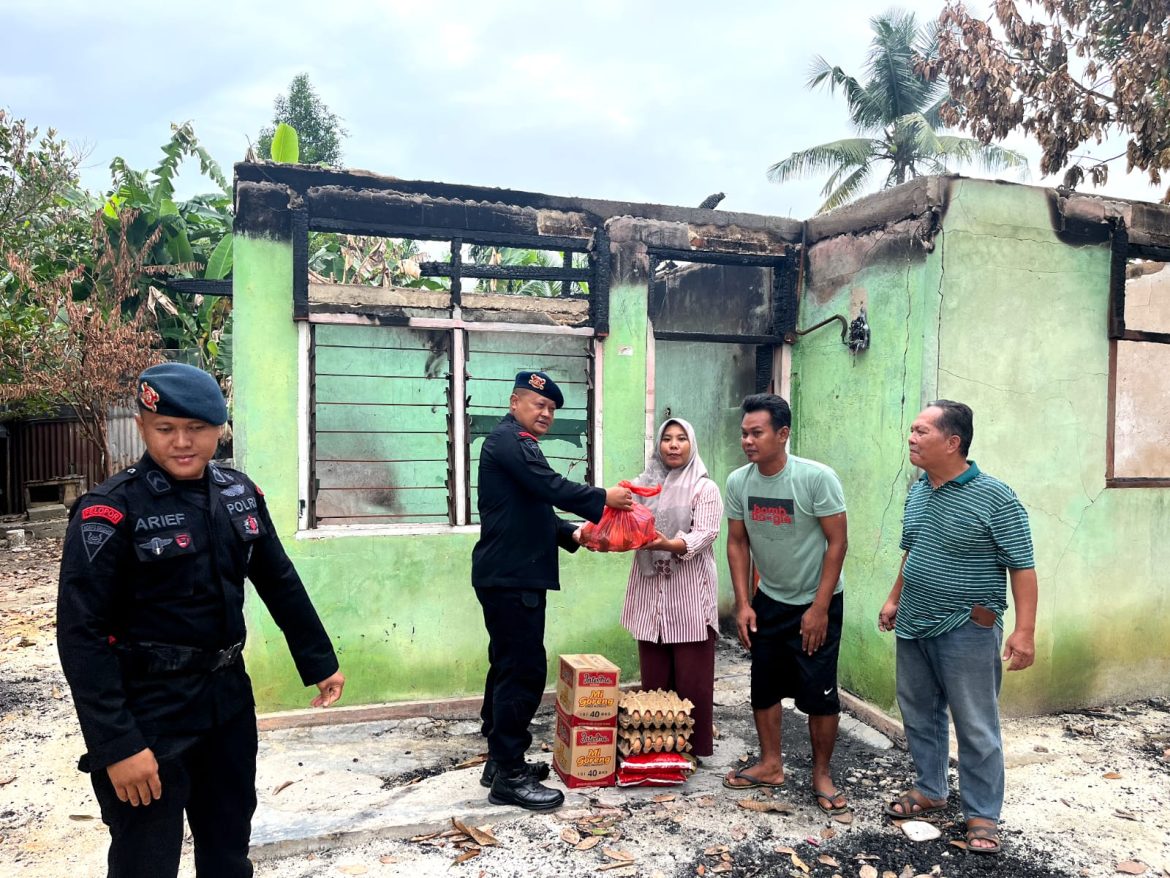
(780, 669)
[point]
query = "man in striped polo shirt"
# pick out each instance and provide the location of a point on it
(962, 529)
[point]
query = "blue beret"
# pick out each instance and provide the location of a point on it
(181, 391)
(540, 383)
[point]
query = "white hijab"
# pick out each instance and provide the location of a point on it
(672, 506)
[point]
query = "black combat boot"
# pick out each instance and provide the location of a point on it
(538, 770)
(519, 787)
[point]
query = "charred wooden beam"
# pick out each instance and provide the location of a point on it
(193, 286)
(506, 272)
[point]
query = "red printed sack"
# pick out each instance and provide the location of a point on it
(622, 530)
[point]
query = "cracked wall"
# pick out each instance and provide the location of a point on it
(1007, 317)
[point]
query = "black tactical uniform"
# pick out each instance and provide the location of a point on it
(514, 564)
(150, 627)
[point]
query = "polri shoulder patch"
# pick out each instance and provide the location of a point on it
(94, 535)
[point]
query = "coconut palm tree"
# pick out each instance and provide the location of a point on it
(896, 112)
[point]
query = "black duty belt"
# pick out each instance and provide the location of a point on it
(169, 658)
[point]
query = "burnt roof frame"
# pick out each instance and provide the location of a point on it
(784, 303)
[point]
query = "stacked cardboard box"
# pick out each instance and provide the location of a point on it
(585, 749)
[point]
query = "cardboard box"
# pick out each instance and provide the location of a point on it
(584, 756)
(587, 690)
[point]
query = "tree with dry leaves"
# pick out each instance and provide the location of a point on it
(1086, 70)
(88, 348)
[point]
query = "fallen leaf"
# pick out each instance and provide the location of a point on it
(725, 858)
(907, 872)
(5, 781)
(355, 869)
(81, 817)
(721, 868)
(56, 693)
(826, 860)
(828, 833)
(784, 850)
(738, 833)
(664, 797)
(387, 859)
(867, 871)
(716, 850)
(757, 805)
(570, 836)
(624, 856)
(283, 785)
(591, 842)
(474, 760)
(482, 838)
(1112, 775)
(1132, 867)
(799, 863)
(465, 856)
(958, 843)
(700, 869)
(609, 866)
(845, 818)
(426, 837)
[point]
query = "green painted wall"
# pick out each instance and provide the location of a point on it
(400, 609)
(1006, 317)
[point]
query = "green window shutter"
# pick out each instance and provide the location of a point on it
(493, 359)
(381, 397)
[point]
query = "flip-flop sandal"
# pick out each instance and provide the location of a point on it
(984, 833)
(753, 782)
(912, 807)
(822, 798)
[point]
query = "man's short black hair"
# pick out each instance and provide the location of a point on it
(956, 419)
(775, 406)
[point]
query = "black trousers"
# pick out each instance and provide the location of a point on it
(516, 670)
(214, 781)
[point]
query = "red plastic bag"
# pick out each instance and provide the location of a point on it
(622, 530)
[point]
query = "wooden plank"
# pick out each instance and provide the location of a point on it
(527, 344)
(562, 368)
(384, 362)
(381, 418)
(384, 520)
(349, 335)
(382, 474)
(404, 503)
(384, 391)
(363, 445)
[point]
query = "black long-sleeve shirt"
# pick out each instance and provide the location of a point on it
(519, 532)
(150, 560)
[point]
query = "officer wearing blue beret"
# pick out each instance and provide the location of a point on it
(150, 630)
(513, 566)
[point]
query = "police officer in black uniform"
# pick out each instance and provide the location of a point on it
(513, 566)
(150, 628)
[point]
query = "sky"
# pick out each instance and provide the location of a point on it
(651, 101)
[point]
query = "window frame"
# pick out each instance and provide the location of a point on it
(1122, 250)
(459, 460)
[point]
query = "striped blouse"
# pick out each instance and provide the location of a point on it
(679, 608)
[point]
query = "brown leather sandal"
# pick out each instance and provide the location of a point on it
(983, 832)
(913, 804)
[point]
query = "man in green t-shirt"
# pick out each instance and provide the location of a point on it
(786, 515)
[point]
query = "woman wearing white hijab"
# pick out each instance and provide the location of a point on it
(672, 596)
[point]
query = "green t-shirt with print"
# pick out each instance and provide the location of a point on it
(780, 514)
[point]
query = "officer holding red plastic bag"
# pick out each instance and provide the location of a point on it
(513, 565)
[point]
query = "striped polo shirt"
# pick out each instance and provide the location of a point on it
(961, 538)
